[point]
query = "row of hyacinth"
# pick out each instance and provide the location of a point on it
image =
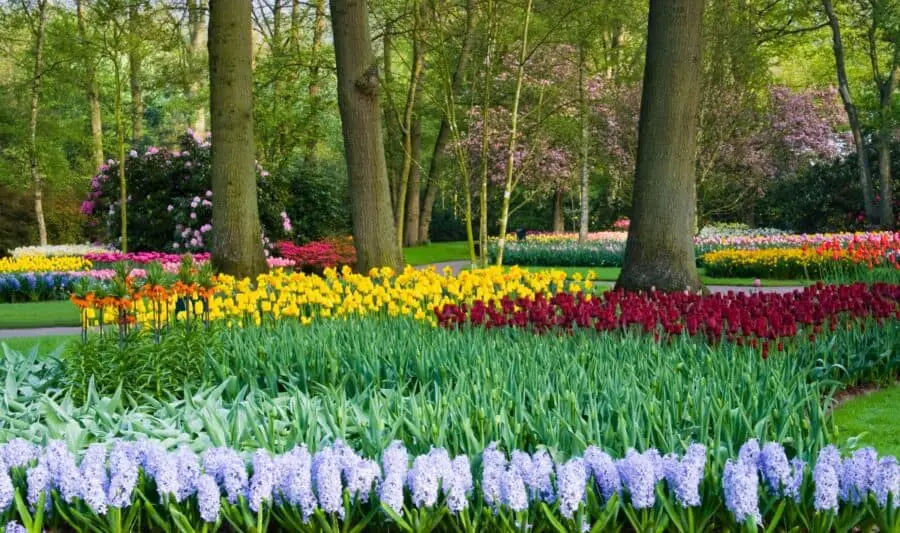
(312, 482)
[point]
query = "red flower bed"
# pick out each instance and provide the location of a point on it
(319, 255)
(758, 318)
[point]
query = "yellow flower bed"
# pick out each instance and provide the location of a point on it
(40, 263)
(305, 297)
(773, 263)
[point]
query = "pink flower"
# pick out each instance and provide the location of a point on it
(757, 282)
(170, 208)
(209, 194)
(205, 228)
(194, 216)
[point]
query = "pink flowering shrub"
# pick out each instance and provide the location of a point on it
(170, 200)
(319, 255)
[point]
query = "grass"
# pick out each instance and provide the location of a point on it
(38, 315)
(47, 344)
(612, 274)
(873, 418)
(436, 252)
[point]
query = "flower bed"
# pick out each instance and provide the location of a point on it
(316, 256)
(142, 258)
(335, 486)
(36, 263)
(57, 250)
(755, 319)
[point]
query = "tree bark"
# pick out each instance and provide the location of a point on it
(120, 152)
(559, 221)
(36, 179)
(440, 143)
(93, 92)
(197, 21)
(865, 173)
(584, 220)
(315, 99)
(236, 244)
(884, 147)
(513, 138)
(409, 158)
(659, 251)
(358, 100)
(413, 192)
(392, 125)
(134, 66)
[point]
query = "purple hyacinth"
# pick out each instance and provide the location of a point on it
(423, 481)
(460, 485)
(95, 481)
(64, 473)
(887, 482)
(685, 475)
(639, 476)
(7, 491)
(858, 475)
(188, 471)
(795, 483)
(295, 480)
(775, 468)
(536, 471)
(740, 482)
(18, 453)
(227, 467)
(395, 465)
(512, 490)
(571, 479)
(39, 482)
(361, 477)
(493, 465)
(14, 527)
(749, 453)
(263, 481)
(603, 468)
(827, 480)
(208, 498)
(326, 473)
(123, 472)
(163, 468)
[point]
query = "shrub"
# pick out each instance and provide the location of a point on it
(319, 255)
(169, 199)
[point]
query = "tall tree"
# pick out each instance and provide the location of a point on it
(660, 251)
(39, 22)
(236, 244)
(865, 173)
(91, 87)
(195, 48)
(358, 101)
(314, 90)
(513, 136)
(432, 183)
(883, 18)
(135, 59)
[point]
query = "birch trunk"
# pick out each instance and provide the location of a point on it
(36, 179)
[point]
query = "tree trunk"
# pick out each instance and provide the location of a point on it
(513, 138)
(134, 67)
(440, 143)
(660, 251)
(197, 17)
(584, 221)
(236, 244)
(392, 125)
(36, 180)
(93, 92)
(120, 153)
(559, 221)
(358, 100)
(413, 192)
(409, 158)
(315, 99)
(865, 173)
(886, 87)
(485, 138)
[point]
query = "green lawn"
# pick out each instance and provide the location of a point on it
(436, 252)
(873, 417)
(612, 274)
(46, 344)
(38, 315)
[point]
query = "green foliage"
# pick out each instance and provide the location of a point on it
(316, 199)
(139, 363)
(824, 198)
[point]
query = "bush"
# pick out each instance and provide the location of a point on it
(169, 199)
(825, 197)
(319, 255)
(317, 199)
